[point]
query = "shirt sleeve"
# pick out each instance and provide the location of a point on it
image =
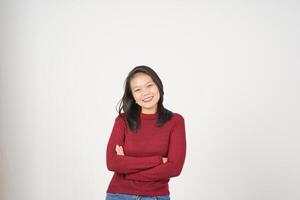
(125, 164)
(176, 157)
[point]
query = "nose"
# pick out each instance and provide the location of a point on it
(145, 92)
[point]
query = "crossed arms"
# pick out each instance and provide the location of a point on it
(150, 168)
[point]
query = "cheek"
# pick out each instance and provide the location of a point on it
(136, 96)
(156, 91)
(158, 96)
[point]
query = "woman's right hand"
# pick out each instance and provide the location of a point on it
(164, 159)
(119, 150)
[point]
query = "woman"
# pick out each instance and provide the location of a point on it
(147, 145)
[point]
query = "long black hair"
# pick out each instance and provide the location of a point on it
(132, 110)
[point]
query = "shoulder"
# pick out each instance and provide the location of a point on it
(120, 119)
(178, 117)
(178, 123)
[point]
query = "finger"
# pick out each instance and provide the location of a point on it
(117, 150)
(121, 150)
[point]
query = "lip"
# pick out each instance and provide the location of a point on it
(148, 97)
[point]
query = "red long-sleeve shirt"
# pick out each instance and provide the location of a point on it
(141, 170)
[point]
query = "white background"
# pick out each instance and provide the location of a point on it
(231, 68)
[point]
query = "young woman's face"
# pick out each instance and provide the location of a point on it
(145, 92)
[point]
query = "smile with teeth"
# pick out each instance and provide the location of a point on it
(148, 99)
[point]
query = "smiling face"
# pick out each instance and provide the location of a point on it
(145, 92)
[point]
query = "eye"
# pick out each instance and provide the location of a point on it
(150, 85)
(136, 90)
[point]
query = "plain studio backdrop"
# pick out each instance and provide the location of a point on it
(231, 68)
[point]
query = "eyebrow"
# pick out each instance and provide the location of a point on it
(138, 86)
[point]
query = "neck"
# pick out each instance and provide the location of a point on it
(149, 111)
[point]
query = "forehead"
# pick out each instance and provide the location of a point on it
(140, 79)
